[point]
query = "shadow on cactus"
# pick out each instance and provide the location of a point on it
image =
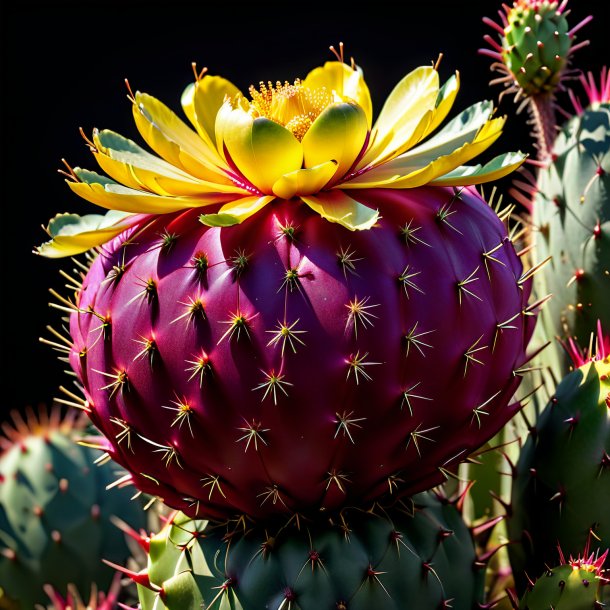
(417, 554)
(296, 308)
(55, 513)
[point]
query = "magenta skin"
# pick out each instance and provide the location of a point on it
(464, 305)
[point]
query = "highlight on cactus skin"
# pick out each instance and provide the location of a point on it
(56, 515)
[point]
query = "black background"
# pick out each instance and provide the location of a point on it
(63, 66)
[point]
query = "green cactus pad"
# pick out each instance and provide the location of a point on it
(566, 587)
(419, 554)
(572, 215)
(561, 487)
(55, 513)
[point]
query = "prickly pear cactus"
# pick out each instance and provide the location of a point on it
(571, 213)
(575, 585)
(561, 487)
(419, 554)
(240, 329)
(55, 512)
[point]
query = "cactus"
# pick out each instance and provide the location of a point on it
(55, 513)
(561, 487)
(73, 600)
(366, 329)
(534, 52)
(572, 585)
(418, 554)
(571, 213)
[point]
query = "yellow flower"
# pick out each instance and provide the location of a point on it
(313, 139)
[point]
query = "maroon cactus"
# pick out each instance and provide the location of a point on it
(289, 365)
(300, 308)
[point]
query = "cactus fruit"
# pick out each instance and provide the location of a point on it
(561, 486)
(573, 585)
(368, 344)
(55, 512)
(418, 554)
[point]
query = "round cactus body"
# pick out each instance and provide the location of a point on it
(289, 365)
(572, 214)
(55, 514)
(419, 554)
(561, 488)
(536, 44)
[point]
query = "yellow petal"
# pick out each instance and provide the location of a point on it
(175, 141)
(347, 82)
(113, 196)
(497, 168)
(337, 206)
(444, 101)
(305, 181)
(262, 150)
(411, 100)
(202, 100)
(337, 134)
(235, 212)
(131, 165)
(72, 234)
(401, 173)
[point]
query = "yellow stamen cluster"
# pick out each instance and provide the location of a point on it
(294, 106)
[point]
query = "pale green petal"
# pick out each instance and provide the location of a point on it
(111, 195)
(305, 181)
(400, 173)
(337, 206)
(497, 168)
(131, 165)
(235, 212)
(72, 234)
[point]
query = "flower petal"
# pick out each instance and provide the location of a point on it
(173, 140)
(412, 98)
(337, 206)
(460, 130)
(132, 166)
(405, 172)
(337, 134)
(262, 150)
(109, 194)
(347, 82)
(201, 102)
(497, 168)
(305, 181)
(444, 101)
(73, 234)
(235, 212)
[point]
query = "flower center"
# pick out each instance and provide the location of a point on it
(295, 106)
